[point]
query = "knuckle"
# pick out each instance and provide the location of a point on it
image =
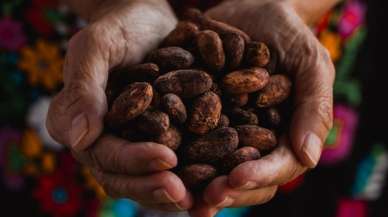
(166, 178)
(325, 112)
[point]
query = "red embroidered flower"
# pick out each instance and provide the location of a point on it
(58, 195)
(37, 15)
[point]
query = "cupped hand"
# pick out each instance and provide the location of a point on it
(119, 35)
(301, 56)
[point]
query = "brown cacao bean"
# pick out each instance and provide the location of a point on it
(205, 114)
(213, 146)
(184, 83)
(238, 100)
(246, 81)
(240, 116)
(238, 157)
(153, 122)
(171, 58)
(130, 103)
(234, 47)
(197, 175)
(171, 138)
(276, 91)
(174, 107)
(257, 54)
(255, 136)
(223, 122)
(211, 50)
(182, 35)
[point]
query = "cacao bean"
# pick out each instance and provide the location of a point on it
(234, 47)
(171, 138)
(246, 81)
(238, 100)
(276, 91)
(223, 122)
(174, 107)
(205, 114)
(197, 175)
(182, 35)
(213, 146)
(257, 54)
(184, 83)
(240, 116)
(171, 58)
(211, 50)
(153, 122)
(255, 136)
(130, 103)
(238, 157)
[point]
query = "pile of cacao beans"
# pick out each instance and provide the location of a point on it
(209, 93)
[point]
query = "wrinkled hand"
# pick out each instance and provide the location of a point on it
(301, 56)
(120, 35)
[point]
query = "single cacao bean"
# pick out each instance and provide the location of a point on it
(184, 83)
(238, 157)
(130, 103)
(213, 146)
(255, 136)
(246, 81)
(182, 35)
(171, 58)
(234, 47)
(277, 90)
(257, 54)
(174, 107)
(197, 175)
(153, 122)
(205, 114)
(211, 50)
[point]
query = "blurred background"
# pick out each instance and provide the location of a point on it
(38, 177)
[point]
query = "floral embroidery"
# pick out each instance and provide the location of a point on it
(43, 64)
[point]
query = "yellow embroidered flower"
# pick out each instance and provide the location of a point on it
(42, 64)
(332, 42)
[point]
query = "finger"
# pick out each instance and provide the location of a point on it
(162, 187)
(180, 206)
(115, 155)
(313, 116)
(76, 114)
(219, 194)
(274, 169)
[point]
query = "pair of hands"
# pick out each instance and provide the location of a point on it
(122, 34)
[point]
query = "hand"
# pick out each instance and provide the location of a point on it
(120, 34)
(301, 56)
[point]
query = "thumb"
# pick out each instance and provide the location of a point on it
(313, 116)
(75, 116)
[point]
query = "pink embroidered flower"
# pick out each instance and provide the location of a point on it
(352, 18)
(340, 141)
(11, 34)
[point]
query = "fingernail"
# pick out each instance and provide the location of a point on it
(79, 128)
(225, 203)
(162, 196)
(312, 149)
(247, 186)
(160, 165)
